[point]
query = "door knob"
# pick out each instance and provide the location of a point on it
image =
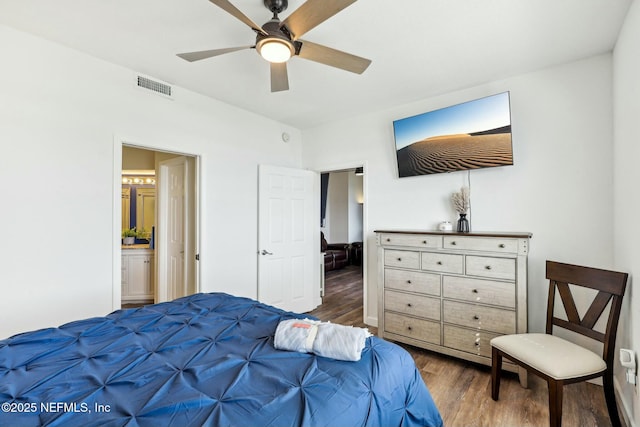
(265, 252)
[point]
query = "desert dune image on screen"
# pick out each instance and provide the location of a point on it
(472, 135)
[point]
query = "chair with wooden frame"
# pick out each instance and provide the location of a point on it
(559, 361)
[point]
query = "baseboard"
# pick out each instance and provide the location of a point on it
(625, 410)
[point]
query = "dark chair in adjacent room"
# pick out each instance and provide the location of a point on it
(336, 255)
(356, 253)
(559, 361)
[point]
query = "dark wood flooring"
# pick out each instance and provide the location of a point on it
(461, 389)
(135, 304)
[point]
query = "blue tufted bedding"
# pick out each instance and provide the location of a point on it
(206, 359)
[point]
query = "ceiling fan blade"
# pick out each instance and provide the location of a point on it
(231, 9)
(279, 77)
(311, 14)
(335, 58)
(204, 54)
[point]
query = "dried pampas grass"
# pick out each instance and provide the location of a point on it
(461, 200)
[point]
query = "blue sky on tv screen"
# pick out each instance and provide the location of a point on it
(473, 116)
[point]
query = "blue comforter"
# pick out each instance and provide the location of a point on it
(202, 360)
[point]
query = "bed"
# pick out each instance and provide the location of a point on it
(201, 360)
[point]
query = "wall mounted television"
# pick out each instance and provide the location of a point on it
(472, 135)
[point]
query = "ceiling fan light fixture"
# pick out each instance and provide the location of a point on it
(275, 50)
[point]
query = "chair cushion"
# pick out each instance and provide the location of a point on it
(338, 255)
(551, 355)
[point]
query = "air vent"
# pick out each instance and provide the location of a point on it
(154, 85)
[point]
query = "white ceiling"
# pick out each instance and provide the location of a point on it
(419, 48)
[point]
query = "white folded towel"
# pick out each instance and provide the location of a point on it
(321, 338)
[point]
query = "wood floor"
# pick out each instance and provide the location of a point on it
(460, 389)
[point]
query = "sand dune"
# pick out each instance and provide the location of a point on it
(449, 153)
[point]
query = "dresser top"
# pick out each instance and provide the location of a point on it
(515, 234)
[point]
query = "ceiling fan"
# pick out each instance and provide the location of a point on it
(278, 41)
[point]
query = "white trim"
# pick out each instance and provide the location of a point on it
(626, 411)
(196, 217)
(161, 290)
(319, 261)
(117, 226)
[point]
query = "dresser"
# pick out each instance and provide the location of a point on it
(452, 292)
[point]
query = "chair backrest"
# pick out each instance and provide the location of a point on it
(610, 286)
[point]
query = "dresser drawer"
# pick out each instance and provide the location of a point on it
(405, 259)
(412, 281)
(468, 340)
(479, 317)
(487, 244)
(413, 240)
(446, 263)
(494, 268)
(479, 290)
(419, 329)
(414, 305)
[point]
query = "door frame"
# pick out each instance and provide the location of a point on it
(365, 227)
(118, 142)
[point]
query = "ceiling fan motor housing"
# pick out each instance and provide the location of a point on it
(276, 6)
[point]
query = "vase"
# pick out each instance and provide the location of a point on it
(128, 240)
(463, 223)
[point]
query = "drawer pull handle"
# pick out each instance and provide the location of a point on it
(453, 243)
(488, 267)
(388, 240)
(409, 328)
(399, 259)
(408, 304)
(424, 242)
(409, 282)
(476, 317)
(501, 245)
(439, 262)
(477, 343)
(475, 291)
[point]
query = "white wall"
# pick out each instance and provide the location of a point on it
(626, 95)
(344, 208)
(61, 111)
(559, 187)
(355, 207)
(337, 220)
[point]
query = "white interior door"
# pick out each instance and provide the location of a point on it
(288, 238)
(172, 229)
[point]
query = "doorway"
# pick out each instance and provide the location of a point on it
(343, 224)
(143, 278)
